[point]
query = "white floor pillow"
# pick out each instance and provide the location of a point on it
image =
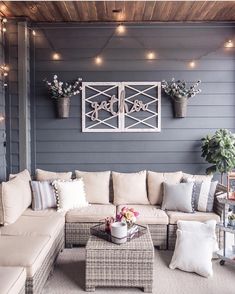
(193, 253)
(207, 227)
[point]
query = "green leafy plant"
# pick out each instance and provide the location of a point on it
(219, 150)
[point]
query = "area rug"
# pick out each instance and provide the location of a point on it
(69, 277)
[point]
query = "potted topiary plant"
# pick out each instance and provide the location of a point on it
(219, 150)
(62, 92)
(180, 94)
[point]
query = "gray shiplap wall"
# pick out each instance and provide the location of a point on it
(60, 145)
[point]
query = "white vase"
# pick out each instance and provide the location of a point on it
(119, 232)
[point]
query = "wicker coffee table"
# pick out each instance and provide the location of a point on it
(126, 265)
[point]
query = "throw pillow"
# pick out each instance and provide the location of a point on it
(70, 194)
(193, 253)
(178, 197)
(26, 178)
(155, 184)
(207, 228)
(203, 194)
(43, 175)
(130, 188)
(43, 195)
(13, 200)
(96, 186)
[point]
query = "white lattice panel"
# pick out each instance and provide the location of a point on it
(121, 107)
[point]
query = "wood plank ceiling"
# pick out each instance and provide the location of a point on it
(126, 11)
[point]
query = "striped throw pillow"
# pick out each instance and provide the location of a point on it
(43, 195)
(203, 195)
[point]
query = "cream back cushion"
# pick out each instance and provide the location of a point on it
(155, 184)
(197, 178)
(130, 188)
(13, 200)
(26, 178)
(96, 186)
(43, 175)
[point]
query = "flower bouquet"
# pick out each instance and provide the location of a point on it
(127, 215)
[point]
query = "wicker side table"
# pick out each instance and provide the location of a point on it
(126, 265)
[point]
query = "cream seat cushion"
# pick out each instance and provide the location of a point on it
(12, 279)
(155, 182)
(33, 226)
(130, 188)
(44, 175)
(174, 216)
(42, 213)
(92, 213)
(24, 251)
(149, 214)
(96, 186)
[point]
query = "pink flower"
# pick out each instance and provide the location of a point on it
(136, 213)
(124, 210)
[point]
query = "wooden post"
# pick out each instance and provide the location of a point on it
(24, 102)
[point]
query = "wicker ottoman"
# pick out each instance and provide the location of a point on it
(126, 265)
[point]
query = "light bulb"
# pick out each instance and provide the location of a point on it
(151, 55)
(98, 60)
(56, 56)
(192, 64)
(121, 29)
(34, 33)
(4, 20)
(229, 44)
(4, 29)
(2, 118)
(5, 74)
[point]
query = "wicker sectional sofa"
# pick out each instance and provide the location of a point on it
(30, 245)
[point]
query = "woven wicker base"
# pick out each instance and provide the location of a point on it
(79, 233)
(37, 282)
(172, 237)
(126, 265)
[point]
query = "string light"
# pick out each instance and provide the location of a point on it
(121, 29)
(98, 60)
(192, 64)
(151, 55)
(56, 56)
(4, 29)
(4, 20)
(33, 32)
(229, 44)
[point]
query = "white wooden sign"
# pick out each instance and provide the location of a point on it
(121, 107)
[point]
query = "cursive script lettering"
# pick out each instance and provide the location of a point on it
(137, 106)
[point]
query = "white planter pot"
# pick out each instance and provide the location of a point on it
(119, 232)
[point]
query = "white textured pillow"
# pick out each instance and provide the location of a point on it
(70, 194)
(96, 186)
(193, 253)
(207, 228)
(130, 188)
